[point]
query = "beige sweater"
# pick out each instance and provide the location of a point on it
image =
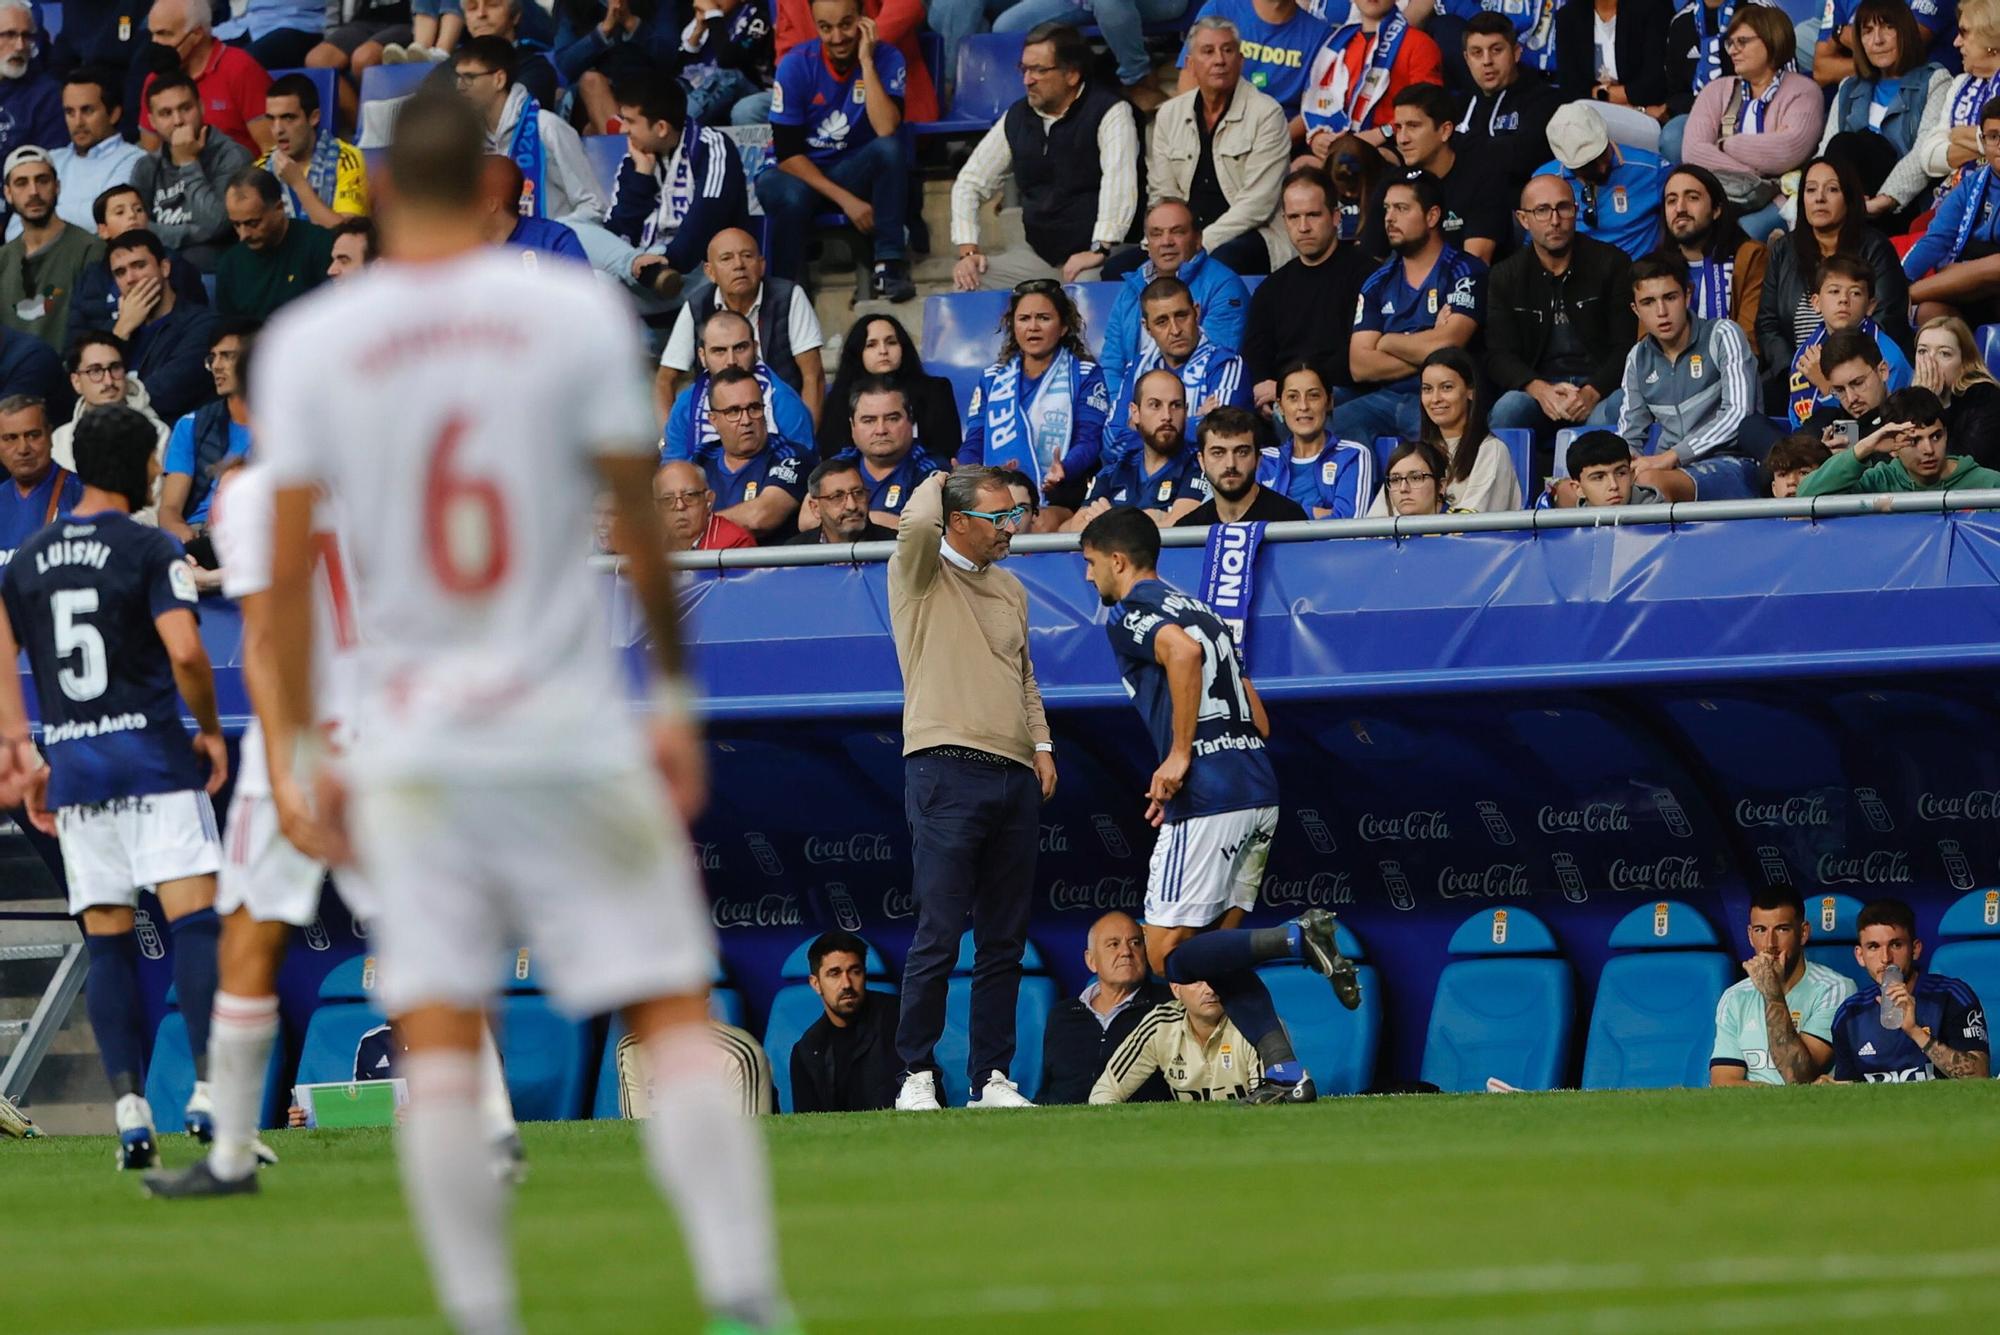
(962, 642)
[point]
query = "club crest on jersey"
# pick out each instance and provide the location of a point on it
(1694, 366)
(1328, 472)
(1431, 301)
(894, 495)
(1620, 202)
(1166, 490)
(749, 491)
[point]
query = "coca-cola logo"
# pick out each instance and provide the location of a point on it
(1106, 892)
(709, 856)
(1596, 818)
(854, 848)
(1054, 840)
(1793, 812)
(1375, 829)
(1667, 874)
(1502, 880)
(899, 903)
(1882, 867)
(766, 911)
(1981, 804)
(1316, 891)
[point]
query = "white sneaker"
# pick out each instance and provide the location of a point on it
(200, 1115)
(136, 1147)
(395, 54)
(919, 1093)
(1000, 1092)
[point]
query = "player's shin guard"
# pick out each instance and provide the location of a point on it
(239, 1054)
(496, 1109)
(460, 1208)
(709, 1160)
(194, 937)
(116, 1018)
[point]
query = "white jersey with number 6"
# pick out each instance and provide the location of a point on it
(455, 409)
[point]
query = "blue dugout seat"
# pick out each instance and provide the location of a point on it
(346, 1012)
(1505, 1006)
(1970, 931)
(544, 1053)
(1094, 302)
(1031, 1016)
(325, 83)
(1832, 918)
(962, 338)
(170, 1073)
(797, 1006)
(1520, 447)
(725, 1004)
(1337, 1045)
(989, 81)
(1653, 1026)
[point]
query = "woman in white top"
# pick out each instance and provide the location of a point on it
(1949, 138)
(1479, 474)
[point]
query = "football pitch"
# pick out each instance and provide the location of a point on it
(1768, 1210)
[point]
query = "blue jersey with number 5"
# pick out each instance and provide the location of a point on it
(81, 596)
(1232, 769)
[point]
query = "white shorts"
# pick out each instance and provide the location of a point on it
(112, 850)
(262, 872)
(593, 874)
(1206, 865)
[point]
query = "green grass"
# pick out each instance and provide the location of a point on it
(1767, 1210)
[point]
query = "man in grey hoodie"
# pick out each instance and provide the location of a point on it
(183, 182)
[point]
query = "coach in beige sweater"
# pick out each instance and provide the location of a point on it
(978, 764)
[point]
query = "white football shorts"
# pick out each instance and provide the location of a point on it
(112, 850)
(262, 872)
(593, 873)
(1206, 865)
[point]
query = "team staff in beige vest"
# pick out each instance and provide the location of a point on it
(978, 764)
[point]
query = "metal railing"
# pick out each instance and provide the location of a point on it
(1507, 521)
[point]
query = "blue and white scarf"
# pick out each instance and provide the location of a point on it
(1714, 278)
(1751, 108)
(676, 182)
(528, 154)
(1802, 398)
(1193, 375)
(705, 435)
(1538, 43)
(1972, 95)
(1331, 103)
(1977, 184)
(1229, 576)
(1039, 427)
(322, 175)
(1708, 29)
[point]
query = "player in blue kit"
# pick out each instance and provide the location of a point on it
(105, 607)
(1214, 798)
(1941, 1028)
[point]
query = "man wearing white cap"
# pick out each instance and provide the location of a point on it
(39, 268)
(1618, 189)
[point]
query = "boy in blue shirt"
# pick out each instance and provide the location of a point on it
(836, 113)
(1844, 296)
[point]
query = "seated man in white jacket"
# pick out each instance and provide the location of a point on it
(97, 371)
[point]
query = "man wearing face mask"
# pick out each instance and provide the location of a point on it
(230, 83)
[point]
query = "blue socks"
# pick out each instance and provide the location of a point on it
(116, 1017)
(1227, 961)
(194, 937)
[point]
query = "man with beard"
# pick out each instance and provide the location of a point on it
(1330, 478)
(1164, 477)
(1725, 267)
(1228, 444)
(39, 268)
(1775, 1025)
(1428, 296)
(838, 496)
(1506, 125)
(31, 109)
(846, 1061)
(1557, 328)
(1295, 314)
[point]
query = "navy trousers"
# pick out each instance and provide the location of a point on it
(974, 833)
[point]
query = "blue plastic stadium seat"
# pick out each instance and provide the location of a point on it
(1509, 1011)
(1988, 336)
(324, 83)
(1031, 1016)
(989, 81)
(1832, 919)
(1337, 1045)
(797, 1006)
(1094, 302)
(1971, 953)
(52, 18)
(962, 333)
(385, 83)
(606, 152)
(544, 1053)
(1654, 1022)
(346, 1012)
(170, 1073)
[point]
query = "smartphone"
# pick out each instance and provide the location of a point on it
(1849, 432)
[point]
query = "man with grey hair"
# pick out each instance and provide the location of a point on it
(230, 83)
(36, 491)
(277, 257)
(31, 110)
(978, 764)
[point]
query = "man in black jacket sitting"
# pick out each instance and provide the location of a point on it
(1086, 1029)
(846, 1062)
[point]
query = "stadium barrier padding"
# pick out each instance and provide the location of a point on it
(1578, 721)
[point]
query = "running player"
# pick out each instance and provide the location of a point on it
(464, 416)
(105, 607)
(1214, 798)
(268, 886)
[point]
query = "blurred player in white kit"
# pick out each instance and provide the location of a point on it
(464, 413)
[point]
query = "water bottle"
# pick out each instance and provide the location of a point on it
(1892, 1014)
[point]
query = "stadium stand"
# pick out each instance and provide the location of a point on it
(1505, 1007)
(1336, 1044)
(1520, 447)
(1653, 1023)
(989, 82)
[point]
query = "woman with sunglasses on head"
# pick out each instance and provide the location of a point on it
(1476, 472)
(1414, 482)
(1041, 407)
(879, 345)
